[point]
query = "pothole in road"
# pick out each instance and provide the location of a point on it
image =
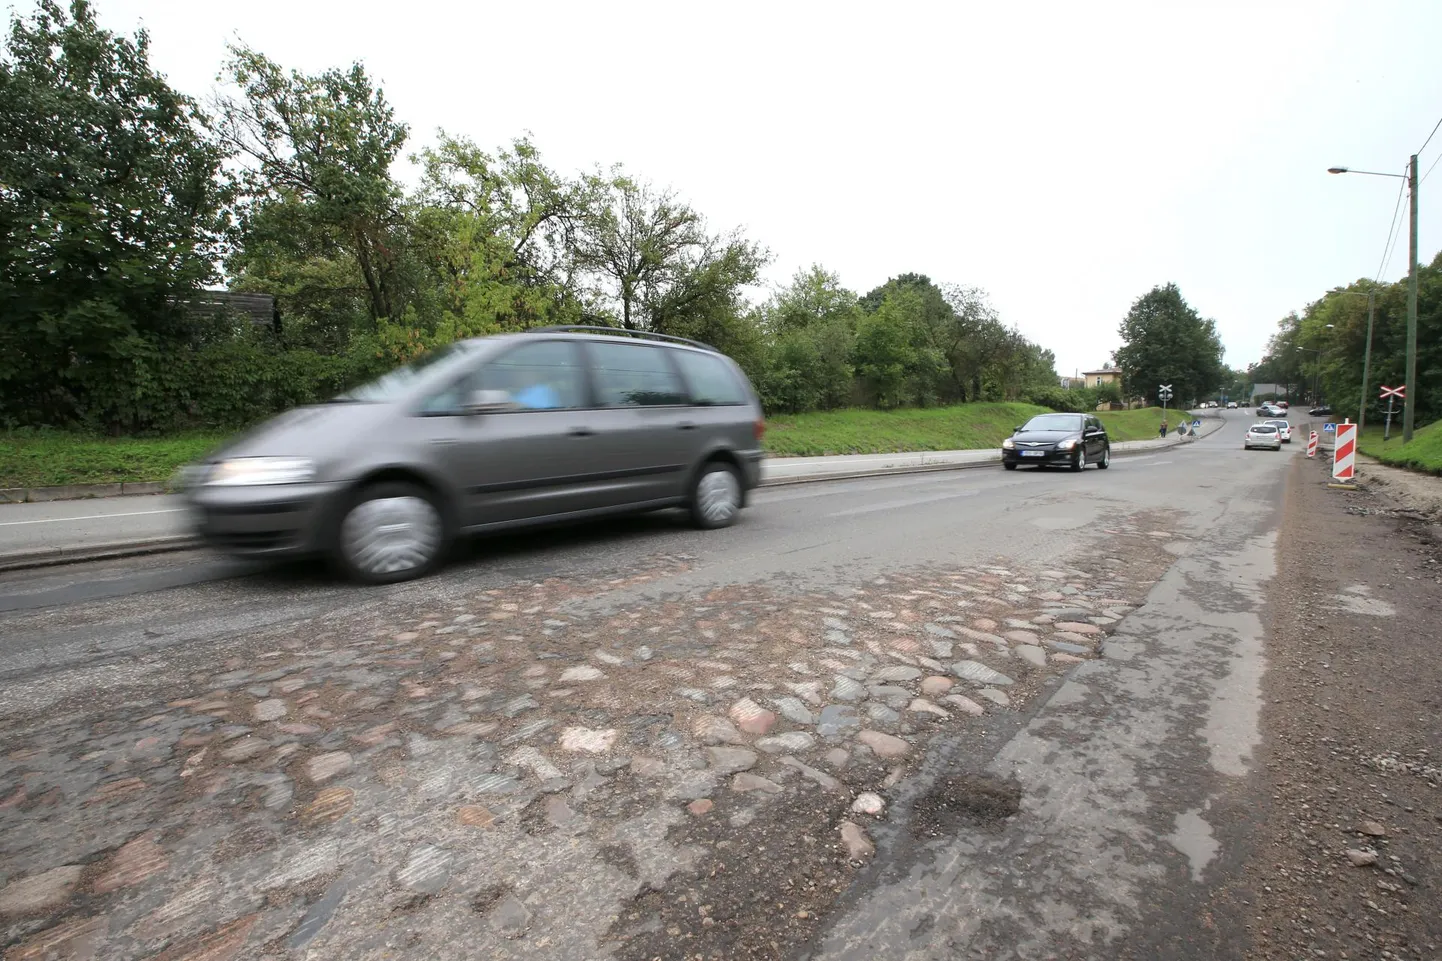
(964, 800)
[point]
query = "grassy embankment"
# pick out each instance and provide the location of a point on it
(47, 459)
(1423, 454)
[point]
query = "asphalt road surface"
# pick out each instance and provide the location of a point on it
(955, 715)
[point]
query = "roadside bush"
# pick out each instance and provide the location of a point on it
(1063, 399)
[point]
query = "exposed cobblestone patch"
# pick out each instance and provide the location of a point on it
(518, 765)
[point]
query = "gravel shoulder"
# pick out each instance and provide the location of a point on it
(1405, 489)
(1348, 846)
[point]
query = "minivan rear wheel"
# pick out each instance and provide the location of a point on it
(391, 532)
(716, 496)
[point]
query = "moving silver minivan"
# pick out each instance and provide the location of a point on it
(554, 424)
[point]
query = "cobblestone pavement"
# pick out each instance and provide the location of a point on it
(552, 769)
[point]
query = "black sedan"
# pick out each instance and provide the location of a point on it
(1074, 440)
(1321, 410)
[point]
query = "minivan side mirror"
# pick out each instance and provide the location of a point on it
(488, 402)
(1017, 429)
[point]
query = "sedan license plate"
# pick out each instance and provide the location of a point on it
(1033, 453)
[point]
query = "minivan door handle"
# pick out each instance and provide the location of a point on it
(582, 432)
(687, 425)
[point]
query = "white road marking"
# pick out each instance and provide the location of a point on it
(91, 517)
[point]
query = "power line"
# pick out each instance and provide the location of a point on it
(1388, 247)
(1429, 170)
(1429, 137)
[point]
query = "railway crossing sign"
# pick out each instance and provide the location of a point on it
(1398, 392)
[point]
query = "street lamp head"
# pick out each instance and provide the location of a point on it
(1336, 170)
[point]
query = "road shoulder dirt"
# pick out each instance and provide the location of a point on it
(1348, 848)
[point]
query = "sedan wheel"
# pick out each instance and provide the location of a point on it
(1081, 460)
(716, 498)
(1106, 460)
(393, 532)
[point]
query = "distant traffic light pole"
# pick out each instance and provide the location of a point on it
(1409, 404)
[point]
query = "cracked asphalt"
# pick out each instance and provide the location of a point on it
(973, 714)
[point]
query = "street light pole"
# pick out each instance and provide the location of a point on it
(1366, 363)
(1409, 403)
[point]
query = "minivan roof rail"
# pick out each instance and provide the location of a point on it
(643, 334)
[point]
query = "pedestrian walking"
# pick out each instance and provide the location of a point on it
(1164, 429)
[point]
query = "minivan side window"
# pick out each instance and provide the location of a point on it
(634, 375)
(545, 375)
(710, 378)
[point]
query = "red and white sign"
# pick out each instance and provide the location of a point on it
(1312, 444)
(1344, 455)
(1400, 392)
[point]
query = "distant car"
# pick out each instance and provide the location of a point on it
(1073, 440)
(1283, 428)
(1284, 405)
(1231, 405)
(1263, 436)
(1271, 410)
(1320, 411)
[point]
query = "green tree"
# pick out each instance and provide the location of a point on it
(111, 212)
(1165, 341)
(317, 153)
(814, 296)
(653, 258)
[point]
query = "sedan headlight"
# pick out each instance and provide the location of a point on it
(1067, 444)
(1008, 444)
(254, 471)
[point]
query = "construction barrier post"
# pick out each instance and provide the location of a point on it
(1344, 455)
(1312, 444)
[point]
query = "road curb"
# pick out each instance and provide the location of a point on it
(78, 492)
(56, 556)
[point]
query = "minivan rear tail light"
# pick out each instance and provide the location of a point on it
(760, 428)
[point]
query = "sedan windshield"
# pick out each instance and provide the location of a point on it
(392, 386)
(1055, 422)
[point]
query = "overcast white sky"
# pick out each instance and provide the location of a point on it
(1064, 156)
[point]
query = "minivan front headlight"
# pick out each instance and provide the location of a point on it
(1008, 444)
(255, 471)
(1067, 444)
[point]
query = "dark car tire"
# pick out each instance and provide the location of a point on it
(1106, 460)
(403, 558)
(716, 496)
(1079, 463)
(1009, 465)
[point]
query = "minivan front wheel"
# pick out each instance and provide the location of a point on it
(391, 532)
(716, 496)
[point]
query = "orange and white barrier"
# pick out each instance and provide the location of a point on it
(1344, 455)
(1312, 444)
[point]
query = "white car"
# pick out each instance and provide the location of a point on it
(1231, 405)
(1283, 428)
(1264, 436)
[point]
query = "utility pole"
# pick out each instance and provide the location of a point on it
(1410, 401)
(1366, 363)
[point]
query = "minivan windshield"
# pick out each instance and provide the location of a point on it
(394, 385)
(1055, 422)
